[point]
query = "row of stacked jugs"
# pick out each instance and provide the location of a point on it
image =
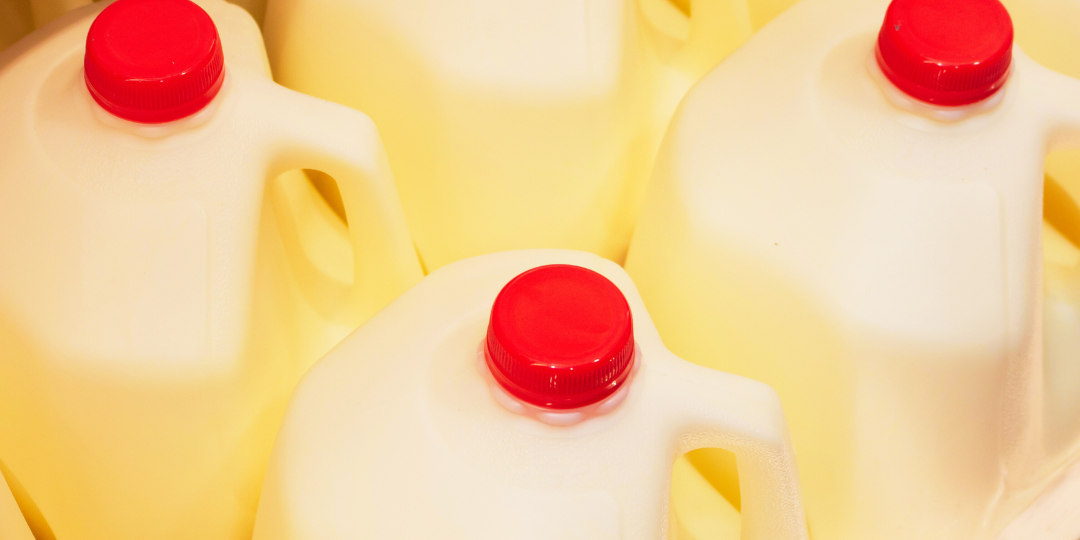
(709, 269)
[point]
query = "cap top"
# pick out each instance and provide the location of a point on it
(946, 52)
(153, 61)
(560, 337)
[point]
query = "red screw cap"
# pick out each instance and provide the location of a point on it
(946, 52)
(153, 61)
(560, 337)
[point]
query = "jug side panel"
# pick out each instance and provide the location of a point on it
(749, 320)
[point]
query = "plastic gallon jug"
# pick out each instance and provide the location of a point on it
(850, 210)
(12, 524)
(508, 124)
(481, 405)
(155, 307)
(15, 22)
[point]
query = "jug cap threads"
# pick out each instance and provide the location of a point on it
(153, 61)
(560, 337)
(946, 52)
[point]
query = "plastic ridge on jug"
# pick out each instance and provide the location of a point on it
(158, 300)
(509, 124)
(875, 260)
(397, 432)
(12, 524)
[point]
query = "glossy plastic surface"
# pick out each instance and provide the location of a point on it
(560, 337)
(157, 299)
(153, 61)
(881, 265)
(946, 52)
(394, 434)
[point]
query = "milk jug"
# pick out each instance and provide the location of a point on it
(849, 209)
(157, 302)
(15, 22)
(12, 524)
(508, 124)
(516, 395)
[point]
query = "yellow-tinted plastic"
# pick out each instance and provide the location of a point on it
(45, 11)
(15, 22)
(163, 288)
(41, 12)
(698, 511)
(508, 124)
(12, 524)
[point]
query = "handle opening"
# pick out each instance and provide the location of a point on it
(328, 189)
(1061, 301)
(705, 499)
(314, 229)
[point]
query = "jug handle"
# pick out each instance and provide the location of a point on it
(712, 31)
(1061, 96)
(746, 418)
(344, 143)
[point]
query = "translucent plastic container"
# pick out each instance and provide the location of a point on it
(868, 243)
(481, 405)
(508, 124)
(156, 302)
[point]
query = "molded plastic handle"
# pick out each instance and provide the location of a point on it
(1027, 455)
(746, 418)
(1062, 94)
(316, 134)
